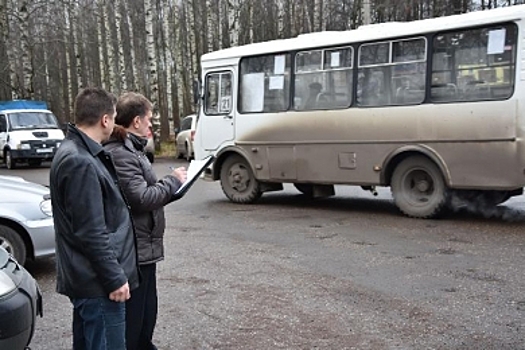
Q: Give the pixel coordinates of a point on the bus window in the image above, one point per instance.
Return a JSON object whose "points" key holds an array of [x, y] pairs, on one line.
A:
{"points": [[264, 83], [323, 79], [218, 98], [392, 73], [475, 64]]}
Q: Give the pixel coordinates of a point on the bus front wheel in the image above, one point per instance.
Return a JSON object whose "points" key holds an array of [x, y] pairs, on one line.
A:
{"points": [[238, 182], [418, 188]]}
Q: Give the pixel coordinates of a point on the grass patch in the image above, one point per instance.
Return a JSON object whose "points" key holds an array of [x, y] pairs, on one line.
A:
{"points": [[167, 149]]}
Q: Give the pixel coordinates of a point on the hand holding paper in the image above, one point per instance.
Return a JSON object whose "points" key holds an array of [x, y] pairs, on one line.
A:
{"points": [[195, 168], [180, 173]]}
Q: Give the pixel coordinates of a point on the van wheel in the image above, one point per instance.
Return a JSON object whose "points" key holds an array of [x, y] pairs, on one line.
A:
{"points": [[10, 163], [11, 241], [418, 188], [238, 182]]}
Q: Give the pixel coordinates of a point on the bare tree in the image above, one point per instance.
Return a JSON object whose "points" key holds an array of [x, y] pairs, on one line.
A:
{"points": [[152, 63]]}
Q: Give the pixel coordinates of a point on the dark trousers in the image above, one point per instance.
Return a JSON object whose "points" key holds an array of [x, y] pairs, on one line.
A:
{"points": [[141, 311]]}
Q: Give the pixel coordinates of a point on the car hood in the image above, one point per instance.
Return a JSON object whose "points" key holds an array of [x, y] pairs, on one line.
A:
{"points": [[15, 189]]}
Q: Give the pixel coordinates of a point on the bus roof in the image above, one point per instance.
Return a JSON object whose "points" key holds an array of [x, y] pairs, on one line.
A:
{"points": [[368, 33]]}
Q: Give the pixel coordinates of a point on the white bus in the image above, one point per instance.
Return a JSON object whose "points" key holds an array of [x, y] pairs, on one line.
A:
{"points": [[435, 109]]}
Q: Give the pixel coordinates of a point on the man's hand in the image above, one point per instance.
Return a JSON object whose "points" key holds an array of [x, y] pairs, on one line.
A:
{"points": [[180, 173], [120, 295]]}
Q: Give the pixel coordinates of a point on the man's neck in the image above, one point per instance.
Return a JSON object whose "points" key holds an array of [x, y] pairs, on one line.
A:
{"points": [[92, 133]]}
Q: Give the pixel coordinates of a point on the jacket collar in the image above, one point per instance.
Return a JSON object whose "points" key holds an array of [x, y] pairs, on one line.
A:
{"points": [[74, 134], [138, 142]]}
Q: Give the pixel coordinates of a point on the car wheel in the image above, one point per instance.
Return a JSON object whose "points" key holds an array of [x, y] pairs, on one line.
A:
{"points": [[418, 188], [11, 241], [238, 182], [10, 163]]}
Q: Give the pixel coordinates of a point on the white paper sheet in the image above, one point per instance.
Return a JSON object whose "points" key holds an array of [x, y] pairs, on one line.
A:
{"points": [[195, 168]]}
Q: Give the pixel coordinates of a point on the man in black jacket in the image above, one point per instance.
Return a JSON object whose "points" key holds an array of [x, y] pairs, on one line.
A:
{"points": [[95, 246], [147, 197]]}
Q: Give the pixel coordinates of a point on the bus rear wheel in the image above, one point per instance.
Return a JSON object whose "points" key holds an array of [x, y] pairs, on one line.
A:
{"points": [[418, 188], [238, 182]]}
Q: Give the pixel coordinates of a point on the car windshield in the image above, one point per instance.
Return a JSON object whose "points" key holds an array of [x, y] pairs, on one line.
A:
{"points": [[32, 120]]}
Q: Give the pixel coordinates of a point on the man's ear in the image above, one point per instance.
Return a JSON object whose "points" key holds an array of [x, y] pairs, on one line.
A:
{"points": [[136, 122], [104, 121]]}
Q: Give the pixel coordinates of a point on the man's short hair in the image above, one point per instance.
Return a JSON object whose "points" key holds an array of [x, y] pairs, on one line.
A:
{"points": [[91, 104], [131, 105]]}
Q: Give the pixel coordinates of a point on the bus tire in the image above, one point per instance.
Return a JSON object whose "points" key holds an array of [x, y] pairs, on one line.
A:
{"points": [[418, 188], [238, 182]]}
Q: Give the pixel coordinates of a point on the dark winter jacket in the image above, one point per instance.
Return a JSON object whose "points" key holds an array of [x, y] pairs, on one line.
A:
{"points": [[146, 194], [95, 245]]}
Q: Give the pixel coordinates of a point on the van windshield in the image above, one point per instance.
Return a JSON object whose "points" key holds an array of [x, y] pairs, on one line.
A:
{"points": [[32, 120]]}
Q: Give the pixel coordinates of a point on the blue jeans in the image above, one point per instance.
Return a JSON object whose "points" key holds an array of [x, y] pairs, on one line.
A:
{"points": [[98, 324]]}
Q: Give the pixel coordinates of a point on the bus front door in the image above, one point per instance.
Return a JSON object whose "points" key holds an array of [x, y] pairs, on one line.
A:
{"points": [[218, 117]]}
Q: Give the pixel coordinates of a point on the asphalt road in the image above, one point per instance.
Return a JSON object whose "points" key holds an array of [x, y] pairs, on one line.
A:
{"points": [[348, 272]]}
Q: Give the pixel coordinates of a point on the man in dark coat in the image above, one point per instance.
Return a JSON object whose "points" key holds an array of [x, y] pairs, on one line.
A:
{"points": [[95, 246], [147, 197]]}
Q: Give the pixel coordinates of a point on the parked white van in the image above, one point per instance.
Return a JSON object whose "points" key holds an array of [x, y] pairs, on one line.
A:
{"points": [[29, 133]]}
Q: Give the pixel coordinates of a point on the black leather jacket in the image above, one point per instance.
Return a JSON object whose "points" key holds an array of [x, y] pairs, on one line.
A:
{"points": [[145, 193], [95, 244]]}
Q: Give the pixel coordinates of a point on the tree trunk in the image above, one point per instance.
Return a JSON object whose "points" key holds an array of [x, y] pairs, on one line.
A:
{"points": [[152, 64]]}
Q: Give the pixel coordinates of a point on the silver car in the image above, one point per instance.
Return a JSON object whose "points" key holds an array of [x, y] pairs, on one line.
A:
{"points": [[185, 136], [26, 219], [20, 303]]}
